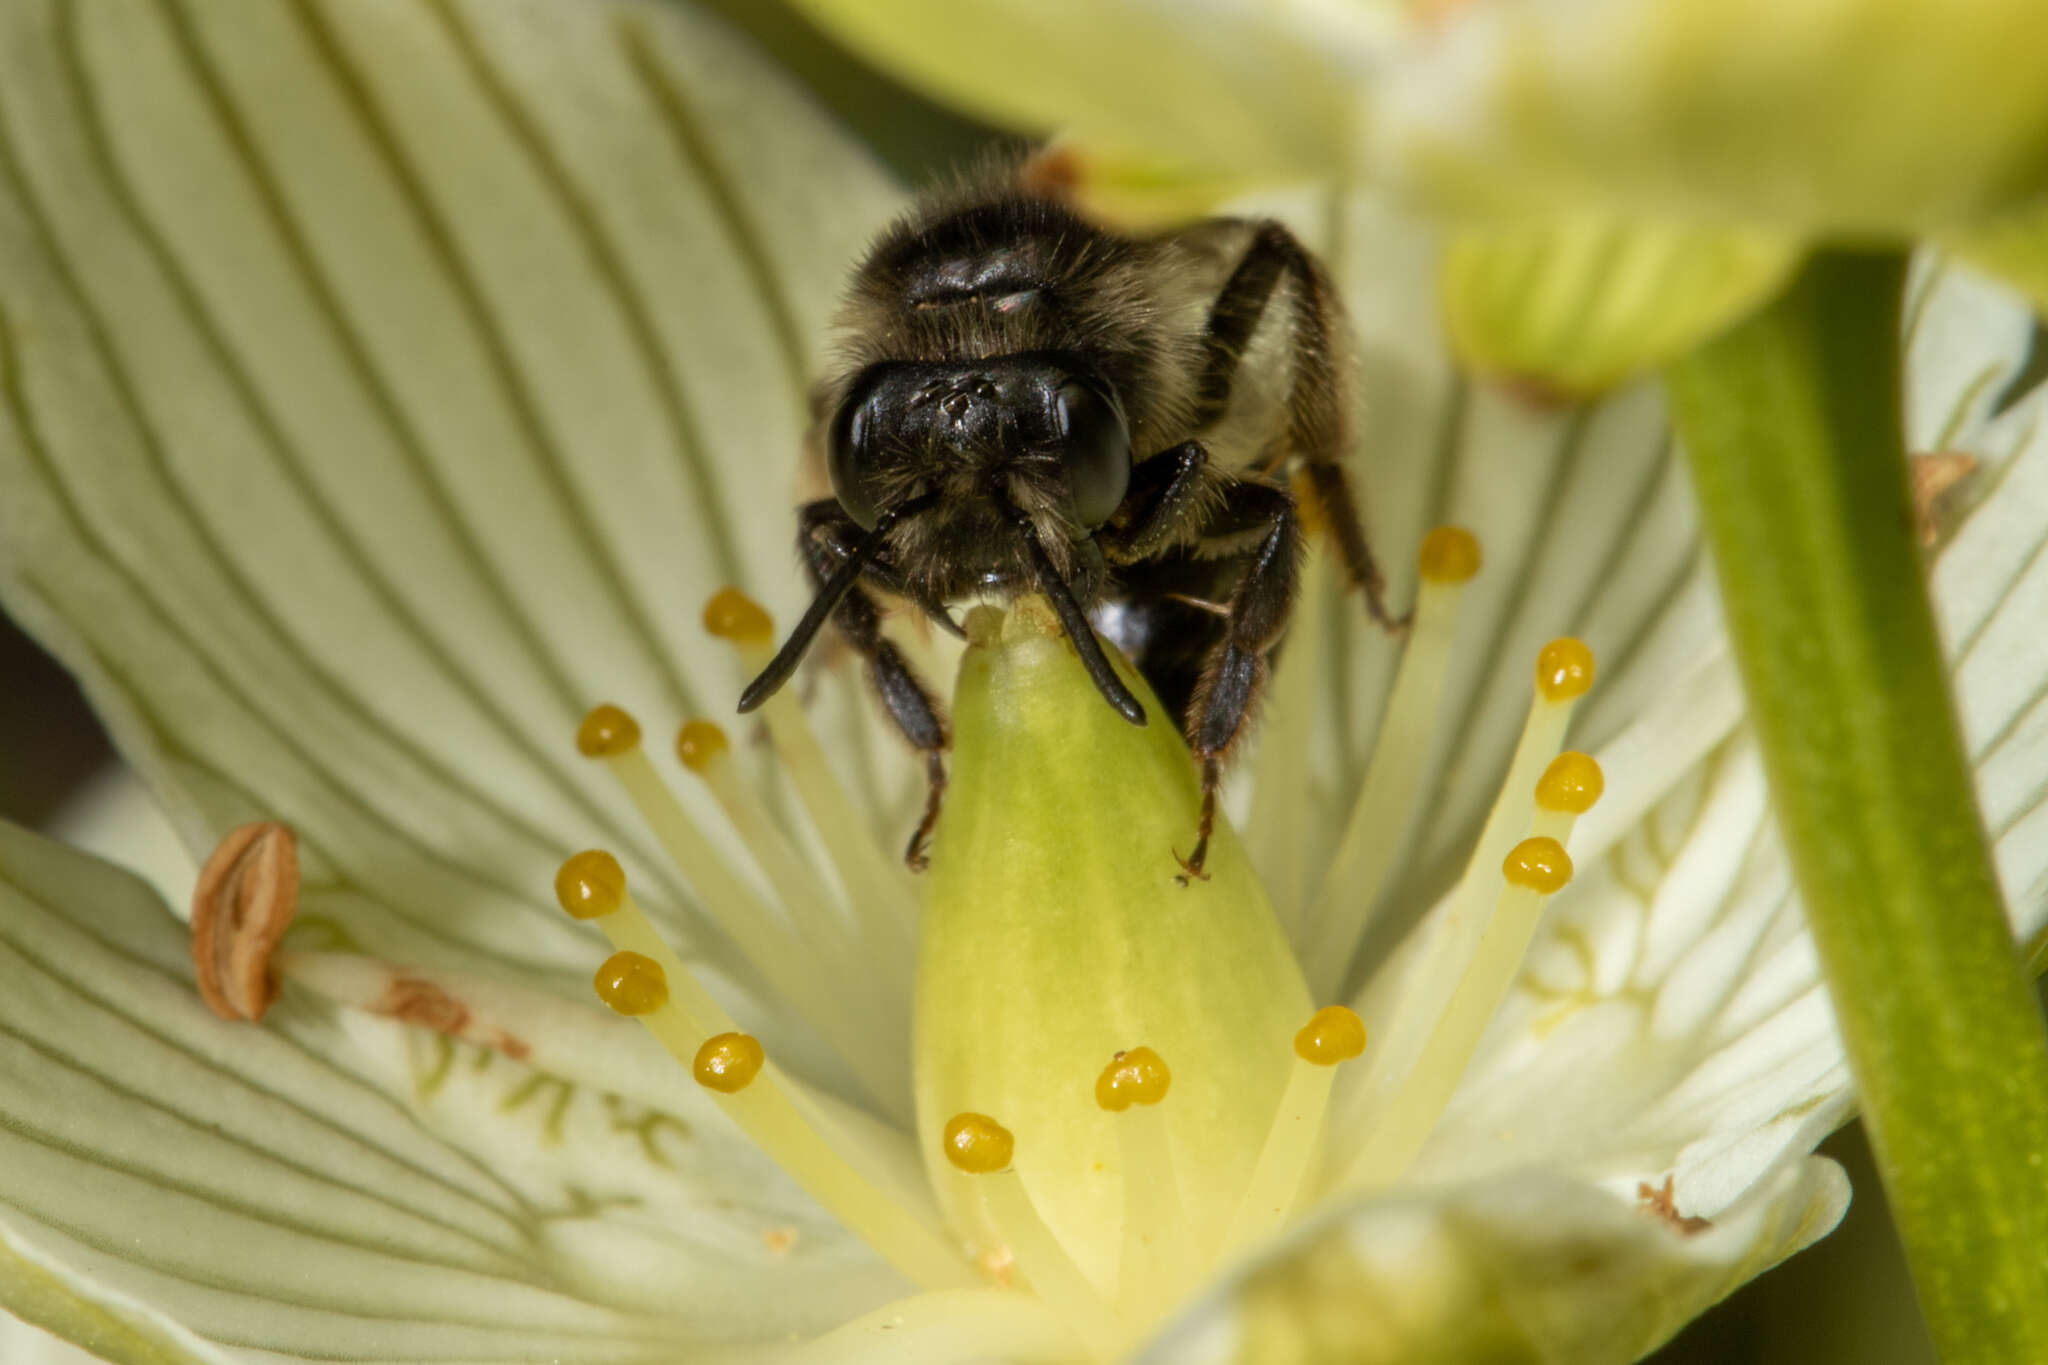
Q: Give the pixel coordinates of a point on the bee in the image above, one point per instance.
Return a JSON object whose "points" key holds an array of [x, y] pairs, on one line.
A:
{"points": [[1028, 402]]}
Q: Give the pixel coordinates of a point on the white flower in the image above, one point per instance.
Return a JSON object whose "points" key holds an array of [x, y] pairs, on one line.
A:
{"points": [[1627, 177], [385, 383]]}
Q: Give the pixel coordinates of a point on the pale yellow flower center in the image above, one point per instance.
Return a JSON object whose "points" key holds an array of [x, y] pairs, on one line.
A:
{"points": [[1180, 1201]]}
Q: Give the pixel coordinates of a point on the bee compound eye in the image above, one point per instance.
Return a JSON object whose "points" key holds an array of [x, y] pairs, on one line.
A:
{"points": [[1095, 447], [850, 462]]}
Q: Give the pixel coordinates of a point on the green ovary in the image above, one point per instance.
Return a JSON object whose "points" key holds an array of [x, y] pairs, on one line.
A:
{"points": [[1056, 934]]}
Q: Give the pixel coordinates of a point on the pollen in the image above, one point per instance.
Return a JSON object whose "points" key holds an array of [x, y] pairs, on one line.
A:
{"points": [[1540, 865], [1450, 554], [728, 1062], [977, 1144], [632, 983], [699, 743], [1333, 1034], [1139, 1076], [591, 884], [1564, 670], [606, 731], [732, 615], [1572, 783]]}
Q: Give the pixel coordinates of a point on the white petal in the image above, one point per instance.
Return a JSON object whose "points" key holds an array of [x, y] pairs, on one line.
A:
{"points": [[1859, 120], [1990, 592], [1171, 80], [58, 1308], [1523, 1267], [324, 1185], [386, 383], [1966, 339], [1670, 1015], [1585, 521], [953, 1327]]}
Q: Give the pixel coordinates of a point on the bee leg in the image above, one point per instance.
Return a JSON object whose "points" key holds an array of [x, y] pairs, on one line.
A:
{"points": [[825, 531], [1332, 489], [1235, 673], [1168, 492], [1317, 422]]}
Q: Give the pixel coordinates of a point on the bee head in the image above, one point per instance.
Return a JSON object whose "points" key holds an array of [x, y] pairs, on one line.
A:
{"points": [[1037, 433], [985, 474]]}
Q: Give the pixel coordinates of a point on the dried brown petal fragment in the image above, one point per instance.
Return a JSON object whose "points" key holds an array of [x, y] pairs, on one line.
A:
{"points": [[428, 1004], [1664, 1203], [1932, 477], [423, 1003], [246, 897]]}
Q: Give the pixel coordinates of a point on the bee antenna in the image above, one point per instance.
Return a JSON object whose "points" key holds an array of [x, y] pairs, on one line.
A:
{"points": [[783, 665], [1075, 622]]}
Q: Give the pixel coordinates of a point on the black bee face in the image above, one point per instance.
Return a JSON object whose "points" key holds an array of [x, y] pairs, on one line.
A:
{"points": [[997, 444]]}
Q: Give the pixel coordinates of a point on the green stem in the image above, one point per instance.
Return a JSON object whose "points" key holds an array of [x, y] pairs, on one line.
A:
{"points": [[1792, 421]]}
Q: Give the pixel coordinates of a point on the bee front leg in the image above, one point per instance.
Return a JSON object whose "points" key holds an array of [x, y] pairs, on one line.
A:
{"points": [[824, 535], [1168, 492], [1227, 696]]}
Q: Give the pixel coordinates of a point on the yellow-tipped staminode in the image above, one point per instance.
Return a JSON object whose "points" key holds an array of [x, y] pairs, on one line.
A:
{"points": [[1573, 782], [632, 983], [732, 615], [1139, 1076], [1332, 1036], [728, 1062], [1449, 554], [1475, 955], [879, 889], [1157, 1264], [646, 979], [1378, 829], [607, 730], [1564, 670], [590, 884], [791, 962], [1539, 864], [699, 744], [977, 1144]]}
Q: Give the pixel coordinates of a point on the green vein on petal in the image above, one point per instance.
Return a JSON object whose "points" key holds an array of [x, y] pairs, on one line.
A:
{"points": [[77, 1312], [1585, 521], [341, 1182], [1678, 959], [370, 419]]}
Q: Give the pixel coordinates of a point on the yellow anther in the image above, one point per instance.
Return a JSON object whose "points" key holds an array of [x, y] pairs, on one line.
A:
{"points": [[591, 884], [1450, 554], [977, 1144], [1572, 782], [1333, 1034], [732, 615], [1135, 1077], [728, 1062], [632, 984], [1564, 669], [607, 731], [698, 743], [1540, 864]]}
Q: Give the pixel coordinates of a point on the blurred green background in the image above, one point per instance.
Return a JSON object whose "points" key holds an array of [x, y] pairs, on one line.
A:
{"points": [[1847, 1300]]}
